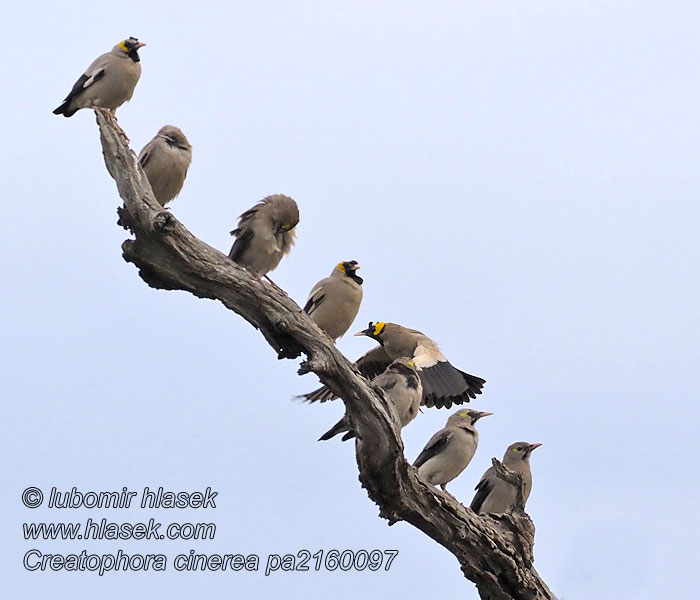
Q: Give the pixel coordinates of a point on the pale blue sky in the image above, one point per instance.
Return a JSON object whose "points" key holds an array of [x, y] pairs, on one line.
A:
{"points": [[517, 179]]}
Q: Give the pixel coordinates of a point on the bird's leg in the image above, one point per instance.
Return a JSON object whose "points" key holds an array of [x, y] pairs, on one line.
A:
{"points": [[112, 118], [444, 489], [108, 114], [121, 131], [275, 285]]}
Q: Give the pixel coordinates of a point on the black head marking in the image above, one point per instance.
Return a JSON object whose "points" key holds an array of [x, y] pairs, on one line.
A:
{"points": [[132, 46]]}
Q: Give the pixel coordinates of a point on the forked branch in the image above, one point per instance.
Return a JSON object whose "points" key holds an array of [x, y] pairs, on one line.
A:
{"points": [[494, 553]]}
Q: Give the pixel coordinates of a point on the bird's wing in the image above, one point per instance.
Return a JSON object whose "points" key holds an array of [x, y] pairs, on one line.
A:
{"points": [[316, 296], [244, 237], [322, 394], [386, 380], [349, 435], [444, 384], [339, 427], [89, 79], [143, 158], [370, 364], [373, 362], [427, 353], [93, 73], [84, 81], [483, 489], [146, 153], [435, 445], [388, 384]]}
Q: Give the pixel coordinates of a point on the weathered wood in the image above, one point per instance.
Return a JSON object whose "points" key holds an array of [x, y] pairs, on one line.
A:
{"points": [[493, 552], [515, 479]]}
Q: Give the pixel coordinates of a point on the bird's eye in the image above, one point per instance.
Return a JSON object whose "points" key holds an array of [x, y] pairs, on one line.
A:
{"points": [[520, 448]]}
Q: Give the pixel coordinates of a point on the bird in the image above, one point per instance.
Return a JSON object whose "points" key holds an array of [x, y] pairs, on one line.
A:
{"points": [[165, 160], [107, 83], [493, 494], [443, 384], [451, 449], [401, 383], [334, 301], [265, 233]]}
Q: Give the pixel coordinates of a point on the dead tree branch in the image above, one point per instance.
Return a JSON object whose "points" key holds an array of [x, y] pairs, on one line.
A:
{"points": [[494, 553]]}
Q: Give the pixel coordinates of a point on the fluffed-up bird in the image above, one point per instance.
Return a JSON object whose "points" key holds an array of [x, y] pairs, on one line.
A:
{"points": [[265, 233], [443, 384], [451, 449], [165, 160], [401, 383], [108, 82], [493, 494], [334, 301]]}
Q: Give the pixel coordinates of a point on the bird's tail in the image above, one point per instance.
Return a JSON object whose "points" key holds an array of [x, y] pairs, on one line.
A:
{"points": [[339, 427], [63, 110], [322, 394], [475, 383]]}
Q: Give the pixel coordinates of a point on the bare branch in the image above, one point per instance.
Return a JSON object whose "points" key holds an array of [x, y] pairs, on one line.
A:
{"points": [[515, 479], [496, 554]]}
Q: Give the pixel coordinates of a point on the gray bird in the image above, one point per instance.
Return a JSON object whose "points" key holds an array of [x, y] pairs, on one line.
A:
{"points": [[265, 233], [451, 449], [443, 384], [493, 494], [334, 301], [108, 82], [165, 160], [401, 383]]}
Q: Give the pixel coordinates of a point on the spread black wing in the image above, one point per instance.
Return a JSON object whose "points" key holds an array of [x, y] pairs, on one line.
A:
{"points": [[370, 364], [445, 385]]}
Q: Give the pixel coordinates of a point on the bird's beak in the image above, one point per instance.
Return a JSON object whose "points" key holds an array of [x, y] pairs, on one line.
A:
{"points": [[533, 446], [484, 414], [359, 333], [140, 45]]}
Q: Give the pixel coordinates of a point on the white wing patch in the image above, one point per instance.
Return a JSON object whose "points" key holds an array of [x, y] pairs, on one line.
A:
{"points": [[427, 355], [315, 297], [90, 80]]}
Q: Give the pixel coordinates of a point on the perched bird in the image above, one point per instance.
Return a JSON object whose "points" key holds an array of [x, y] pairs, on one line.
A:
{"points": [[443, 384], [165, 160], [451, 449], [493, 494], [265, 233], [108, 82], [334, 301], [401, 383]]}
